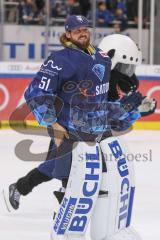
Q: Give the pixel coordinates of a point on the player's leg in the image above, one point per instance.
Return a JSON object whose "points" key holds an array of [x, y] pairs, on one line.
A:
{"points": [[25, 185], [46, 171]]}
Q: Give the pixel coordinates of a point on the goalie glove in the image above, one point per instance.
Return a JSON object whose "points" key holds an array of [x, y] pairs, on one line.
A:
{"points": [[147, 106]]}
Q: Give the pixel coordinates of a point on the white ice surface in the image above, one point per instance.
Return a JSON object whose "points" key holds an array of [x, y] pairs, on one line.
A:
{"points": [[33, 220]]}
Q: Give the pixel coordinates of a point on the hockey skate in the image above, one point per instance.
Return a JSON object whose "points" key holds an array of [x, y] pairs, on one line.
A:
{"points": [[11, 197]]}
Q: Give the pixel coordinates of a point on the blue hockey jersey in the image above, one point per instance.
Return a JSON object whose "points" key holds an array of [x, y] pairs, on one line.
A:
{"points": [[80, 82], [71, 88]]}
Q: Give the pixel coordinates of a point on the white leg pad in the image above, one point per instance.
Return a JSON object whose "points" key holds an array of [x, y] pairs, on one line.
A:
{"points": [[82, 191], [112, 213]]}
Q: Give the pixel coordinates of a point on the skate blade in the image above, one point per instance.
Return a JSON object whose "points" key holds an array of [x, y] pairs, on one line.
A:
{"points": [[6, 206]]}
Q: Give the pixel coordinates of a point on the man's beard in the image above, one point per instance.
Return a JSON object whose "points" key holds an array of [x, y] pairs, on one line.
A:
{"points": [[80, 45]]}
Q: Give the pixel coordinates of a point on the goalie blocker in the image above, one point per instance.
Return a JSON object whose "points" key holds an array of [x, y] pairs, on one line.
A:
{"points": [[103, 199]]}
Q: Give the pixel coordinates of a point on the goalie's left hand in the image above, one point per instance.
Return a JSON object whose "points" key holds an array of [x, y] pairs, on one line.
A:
{"points": [[147, 106]]}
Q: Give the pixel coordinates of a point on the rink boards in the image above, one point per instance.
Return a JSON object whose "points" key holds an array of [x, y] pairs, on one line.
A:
{"points": [[15, 77]]}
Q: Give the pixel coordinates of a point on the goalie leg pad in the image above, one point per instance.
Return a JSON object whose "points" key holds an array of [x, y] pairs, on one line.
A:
{"points": [[113, 212], [82, 190]]}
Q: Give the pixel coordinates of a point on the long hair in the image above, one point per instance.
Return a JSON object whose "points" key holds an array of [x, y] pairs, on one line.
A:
{"points": [[63, 39]]}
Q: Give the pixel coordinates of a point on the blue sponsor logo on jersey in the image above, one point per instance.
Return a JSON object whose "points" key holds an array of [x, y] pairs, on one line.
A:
{"points": [[99, 70], [102, 89]]}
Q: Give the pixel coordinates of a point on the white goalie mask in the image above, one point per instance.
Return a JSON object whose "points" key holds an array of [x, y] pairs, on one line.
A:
{"points": [[126, 55]]}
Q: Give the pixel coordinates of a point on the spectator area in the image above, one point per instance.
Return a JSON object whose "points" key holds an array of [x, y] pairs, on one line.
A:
{"points": [[119, 14]]}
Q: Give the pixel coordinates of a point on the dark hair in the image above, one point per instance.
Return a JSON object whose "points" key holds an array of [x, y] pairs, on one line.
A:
{"points": [[40, 4], [101, 3]]}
